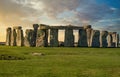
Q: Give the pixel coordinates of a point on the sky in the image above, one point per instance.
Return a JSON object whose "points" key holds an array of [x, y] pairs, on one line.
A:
{"points": [[101, 14]]}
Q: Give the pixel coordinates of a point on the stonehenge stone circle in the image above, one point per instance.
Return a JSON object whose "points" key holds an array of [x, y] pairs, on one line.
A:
{"points": [[38, 36]]}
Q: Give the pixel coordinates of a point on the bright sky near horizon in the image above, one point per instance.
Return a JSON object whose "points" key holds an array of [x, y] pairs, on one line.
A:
{"points": [[101, 14]]}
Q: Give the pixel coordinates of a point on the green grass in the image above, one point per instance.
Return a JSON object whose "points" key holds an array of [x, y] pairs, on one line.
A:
{"points": [[61, 62]]}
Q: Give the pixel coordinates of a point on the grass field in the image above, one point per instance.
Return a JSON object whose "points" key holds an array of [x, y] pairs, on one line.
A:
{"points": [[61, 62]]}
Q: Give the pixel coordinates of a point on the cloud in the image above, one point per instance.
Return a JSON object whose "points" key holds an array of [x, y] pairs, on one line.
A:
{"points": [[66, 11]]}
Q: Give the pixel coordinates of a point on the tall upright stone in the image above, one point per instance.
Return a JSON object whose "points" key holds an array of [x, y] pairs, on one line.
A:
{"points": [[89, 32], [117, 45], [54, 38], [13, 37], [69, 38], [28, 38], [82, 38], [114, 37], [8, 36], [42, 36], [109, 40], [35, 26], [95, 38], [103, 39], [19, 38]]}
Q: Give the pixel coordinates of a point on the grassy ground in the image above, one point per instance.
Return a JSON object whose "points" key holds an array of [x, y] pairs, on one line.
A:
{"points": [[61, 62]]}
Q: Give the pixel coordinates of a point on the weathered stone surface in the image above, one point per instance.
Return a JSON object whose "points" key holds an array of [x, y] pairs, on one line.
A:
{"points": [[54, 38], [13, 37], [19, 38], [117, 45], [103, 39], [87, 26], [28, 38], [8, 36], [17, 27], [82, 38], [89, 31], [69, 38], [95, 38], [109, 40], [35, 26], [42, 38], [114, 39]]}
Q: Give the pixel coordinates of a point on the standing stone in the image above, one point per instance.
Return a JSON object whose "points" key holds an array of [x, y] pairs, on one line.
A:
{"points": [[89, 31], [82, 38], [28, 38], [103, 39], [8, 36], [117, 40], [19, 38], [109, 40], [13, 37], [54, 38], [69, 38], [95, 38], [114, 37], [35, 26], [42, 38]]}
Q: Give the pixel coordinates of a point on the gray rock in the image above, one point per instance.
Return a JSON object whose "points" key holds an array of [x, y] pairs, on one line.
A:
{"points": [[109, 40], [103, 39], [95, 38], [117, 40], [35, 26], [114, 39], [89, 31], [87, 26], [28, 40], [13, 37], [19, 38], [8, 36], [82, 38], [69, 38], [42, 38], [54, 38]]}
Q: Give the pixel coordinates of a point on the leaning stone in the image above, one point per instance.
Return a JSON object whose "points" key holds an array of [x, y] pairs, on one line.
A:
{"points": [[8, 36], [95, 38]]}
